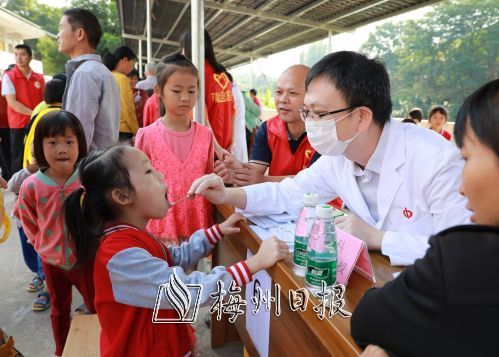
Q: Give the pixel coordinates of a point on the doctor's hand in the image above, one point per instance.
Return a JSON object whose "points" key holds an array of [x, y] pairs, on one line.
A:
{"points": [[360, 229], [210, 187]]}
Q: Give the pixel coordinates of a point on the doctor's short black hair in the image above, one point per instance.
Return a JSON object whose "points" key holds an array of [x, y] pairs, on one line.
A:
{"points": [[362, 81], [480, 112]]}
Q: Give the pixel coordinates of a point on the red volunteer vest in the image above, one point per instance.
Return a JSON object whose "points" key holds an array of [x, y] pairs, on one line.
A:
{"points": [[29, 92], [4, 123], [284, 162], [129, 330], [219, 104]]}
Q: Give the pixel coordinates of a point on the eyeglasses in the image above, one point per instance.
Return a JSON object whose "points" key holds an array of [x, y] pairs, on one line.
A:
{"points": [[306, 114]]}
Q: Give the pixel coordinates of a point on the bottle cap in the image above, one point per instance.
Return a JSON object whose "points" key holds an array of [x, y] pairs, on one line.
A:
{"points": [[310, 199], [324, 211]]}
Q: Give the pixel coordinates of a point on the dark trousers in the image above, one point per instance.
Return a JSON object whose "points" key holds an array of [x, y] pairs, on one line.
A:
{"points": [[60, 283], [5, 153], [16, 149]]}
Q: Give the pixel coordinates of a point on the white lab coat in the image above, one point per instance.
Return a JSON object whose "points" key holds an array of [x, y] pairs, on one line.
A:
{"points": [[421, 173], [240, 147]]}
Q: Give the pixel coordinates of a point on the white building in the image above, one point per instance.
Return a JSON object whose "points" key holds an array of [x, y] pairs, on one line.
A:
{"points": [[14, 30]]}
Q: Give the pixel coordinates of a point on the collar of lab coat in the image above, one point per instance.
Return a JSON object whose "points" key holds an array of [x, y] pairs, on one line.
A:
{"points": [[389, 181]]}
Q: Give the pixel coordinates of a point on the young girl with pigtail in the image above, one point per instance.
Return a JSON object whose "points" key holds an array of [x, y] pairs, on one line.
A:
{"points": [[107, 219]]}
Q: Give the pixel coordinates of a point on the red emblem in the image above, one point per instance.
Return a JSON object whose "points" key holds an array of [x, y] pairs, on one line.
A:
{"points": [[407, 213]]}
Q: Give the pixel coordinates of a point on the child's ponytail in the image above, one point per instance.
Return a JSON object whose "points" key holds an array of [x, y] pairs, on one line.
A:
{"points": [[84, 242]]}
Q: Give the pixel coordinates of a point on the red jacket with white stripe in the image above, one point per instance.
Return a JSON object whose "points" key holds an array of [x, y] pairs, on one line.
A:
{"points": [[130, 266]]}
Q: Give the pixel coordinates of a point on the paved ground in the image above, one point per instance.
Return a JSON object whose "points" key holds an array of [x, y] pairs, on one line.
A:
{"points": [[31, 330]]}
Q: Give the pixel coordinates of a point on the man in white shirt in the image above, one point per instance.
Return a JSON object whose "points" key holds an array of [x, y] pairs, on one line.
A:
{"points": [[150, 81], [23, 89], [401, 183], [92, 93]]}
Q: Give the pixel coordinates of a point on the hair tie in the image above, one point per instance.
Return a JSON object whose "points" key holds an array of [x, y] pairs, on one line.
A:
{"points": [[83, 194]]}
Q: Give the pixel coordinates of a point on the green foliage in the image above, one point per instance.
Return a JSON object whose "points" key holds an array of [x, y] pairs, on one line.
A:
{"points": [[268, 99], [48, 18], [48, 49], [441, 58]]}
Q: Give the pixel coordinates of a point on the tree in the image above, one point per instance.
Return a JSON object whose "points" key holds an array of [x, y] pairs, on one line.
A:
{"points": [[48, 17], [53, 60], [441, 58]]}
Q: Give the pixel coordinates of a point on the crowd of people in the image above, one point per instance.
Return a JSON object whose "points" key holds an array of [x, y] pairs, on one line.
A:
{"points": [[102, 163]]}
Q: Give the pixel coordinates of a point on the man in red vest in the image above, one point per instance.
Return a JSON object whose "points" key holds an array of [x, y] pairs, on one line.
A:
{"points": [[281, 143], [23, 89]]}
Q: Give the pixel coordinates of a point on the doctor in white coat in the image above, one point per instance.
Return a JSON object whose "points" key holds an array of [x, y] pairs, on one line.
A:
{"points": [[401, 182]]}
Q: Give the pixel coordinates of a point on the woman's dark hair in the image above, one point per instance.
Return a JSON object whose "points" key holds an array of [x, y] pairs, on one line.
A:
{"points": [[56, 123], [480, 112], [209, 52], [53, 91], [111, 60], [169, 65], [438, 109], [409, 120], [88, 209], [416, 113], [81, 18], [361, 81], [133, 73], [253, 91]]}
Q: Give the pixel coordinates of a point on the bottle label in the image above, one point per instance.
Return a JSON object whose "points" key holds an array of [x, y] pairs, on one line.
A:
{"points": [[321, 271], [300, 253]]}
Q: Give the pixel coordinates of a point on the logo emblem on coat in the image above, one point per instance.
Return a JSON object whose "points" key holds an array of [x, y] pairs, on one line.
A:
{"points": [[37, 85], [222, 80], [407, 213]]}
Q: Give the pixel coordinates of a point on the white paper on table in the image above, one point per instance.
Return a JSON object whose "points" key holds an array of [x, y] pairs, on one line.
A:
{"points": [[284, 231], [262, 221], [271, 220], [258, 325], [283, 217]]}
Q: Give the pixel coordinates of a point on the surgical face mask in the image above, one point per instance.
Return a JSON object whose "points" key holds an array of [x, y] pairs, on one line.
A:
{"points": [[323, 136]]}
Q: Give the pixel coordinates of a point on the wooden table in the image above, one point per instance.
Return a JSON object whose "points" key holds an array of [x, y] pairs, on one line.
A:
{"points": [[292, 333], [83, 338]]}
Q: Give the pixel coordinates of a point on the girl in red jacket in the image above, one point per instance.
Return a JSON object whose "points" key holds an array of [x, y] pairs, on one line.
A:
{"points": [[106, 219]]}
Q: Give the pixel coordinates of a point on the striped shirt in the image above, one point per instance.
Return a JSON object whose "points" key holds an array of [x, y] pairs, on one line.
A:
{"points": [[368, 179]]}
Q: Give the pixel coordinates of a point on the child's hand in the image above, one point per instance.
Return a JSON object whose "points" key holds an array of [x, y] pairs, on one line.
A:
{"points": [[32, 166], [3, 183], [228, 227], [271, 251]]}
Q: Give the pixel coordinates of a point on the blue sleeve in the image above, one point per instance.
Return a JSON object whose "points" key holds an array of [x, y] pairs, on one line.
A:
{"points": [[260, 152]]}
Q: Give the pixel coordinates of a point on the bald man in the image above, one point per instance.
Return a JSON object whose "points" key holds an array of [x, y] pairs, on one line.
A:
{"points": [[281, 143]]}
